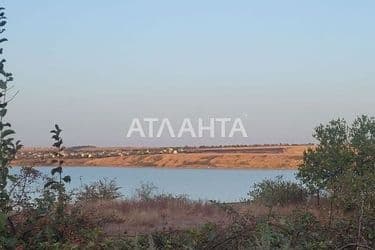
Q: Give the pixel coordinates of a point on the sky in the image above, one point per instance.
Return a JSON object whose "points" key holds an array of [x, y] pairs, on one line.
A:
{"points": [[92, 66]]}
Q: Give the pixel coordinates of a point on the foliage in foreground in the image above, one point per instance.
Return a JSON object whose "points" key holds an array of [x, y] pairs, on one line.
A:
{"points": [[278, 192], [342, 166]]}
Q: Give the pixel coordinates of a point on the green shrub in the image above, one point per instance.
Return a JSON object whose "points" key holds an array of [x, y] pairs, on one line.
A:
{"points": [[103, 189], [278, 192]]}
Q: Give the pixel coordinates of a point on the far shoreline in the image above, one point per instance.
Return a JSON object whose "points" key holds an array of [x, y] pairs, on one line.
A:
{"points": [[161, 168], [242, 158]]}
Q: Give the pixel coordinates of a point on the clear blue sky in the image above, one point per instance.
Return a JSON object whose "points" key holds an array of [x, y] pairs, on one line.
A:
{"points": [[283, 66]]}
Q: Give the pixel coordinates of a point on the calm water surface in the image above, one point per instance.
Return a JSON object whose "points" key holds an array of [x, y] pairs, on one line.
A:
{"points": [[226, 185]]}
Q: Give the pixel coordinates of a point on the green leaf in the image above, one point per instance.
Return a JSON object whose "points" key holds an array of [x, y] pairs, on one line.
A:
{"points": [[58, 144], [3, 84], [49, 184], [12, 178], [3, 125], [18, 146], [57, 128], [56, 170], [67, 179], [55, 137], [7, 132], [3, 112]]}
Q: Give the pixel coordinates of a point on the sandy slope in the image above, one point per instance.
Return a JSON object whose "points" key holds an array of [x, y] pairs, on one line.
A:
{"points": [[266, 157], [288, 159]]}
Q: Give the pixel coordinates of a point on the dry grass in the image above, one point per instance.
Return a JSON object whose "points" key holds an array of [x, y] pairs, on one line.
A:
{"points": [[166, 213], [321, 212], [160, 213]]}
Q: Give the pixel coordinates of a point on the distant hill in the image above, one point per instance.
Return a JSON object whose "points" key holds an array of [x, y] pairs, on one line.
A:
{"points": [[79, 148]]}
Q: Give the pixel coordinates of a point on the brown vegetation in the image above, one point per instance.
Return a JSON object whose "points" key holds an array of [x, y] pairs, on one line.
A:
{"points": [[169, 214], [117, 217]]}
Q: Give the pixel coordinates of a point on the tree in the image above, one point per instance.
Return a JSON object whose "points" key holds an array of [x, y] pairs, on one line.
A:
{"points": [[323, 165], [358, 184], [343, 165], [344, 159]]}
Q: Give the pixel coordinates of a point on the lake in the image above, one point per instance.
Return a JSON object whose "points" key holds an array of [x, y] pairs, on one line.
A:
{"points": [[225, 185]]}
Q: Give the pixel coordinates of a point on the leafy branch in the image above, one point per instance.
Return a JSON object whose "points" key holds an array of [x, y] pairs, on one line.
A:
{"points": [[8, 147], [58, 155]]}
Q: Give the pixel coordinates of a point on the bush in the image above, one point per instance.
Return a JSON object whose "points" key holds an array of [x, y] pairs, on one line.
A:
{"points": [[278, 192], [103, 189], [145, 192]]}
